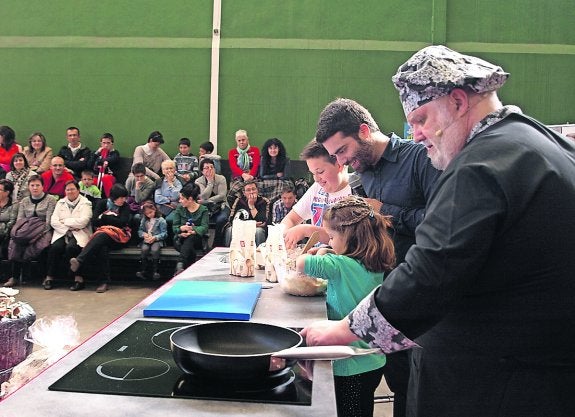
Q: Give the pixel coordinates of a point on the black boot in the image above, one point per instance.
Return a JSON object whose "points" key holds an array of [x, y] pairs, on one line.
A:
{"points": [[143, 265], [156, 266]]}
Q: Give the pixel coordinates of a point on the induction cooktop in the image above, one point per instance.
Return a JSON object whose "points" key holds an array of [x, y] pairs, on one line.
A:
{"points": [[138, 362]]}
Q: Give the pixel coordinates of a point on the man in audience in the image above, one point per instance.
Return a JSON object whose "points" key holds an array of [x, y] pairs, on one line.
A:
{"points": [[283, 205], [151, 155], [56, 178], [75, 154]]}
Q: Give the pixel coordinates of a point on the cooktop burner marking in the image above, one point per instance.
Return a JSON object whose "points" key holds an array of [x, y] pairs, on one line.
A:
{"points": [[133, 369], [162, 339]]}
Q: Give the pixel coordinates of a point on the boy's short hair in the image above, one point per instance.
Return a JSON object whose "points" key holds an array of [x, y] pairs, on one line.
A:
{"points": [[207, 146], [139, 168], [185, 141], [314, 149], [87, 172]]}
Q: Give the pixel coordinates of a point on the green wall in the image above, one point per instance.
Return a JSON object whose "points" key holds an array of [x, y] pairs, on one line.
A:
{"points": [[130, 67]]}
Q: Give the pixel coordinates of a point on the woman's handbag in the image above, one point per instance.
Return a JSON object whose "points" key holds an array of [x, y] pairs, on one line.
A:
{"points": [[117, 234], [28, 238]]}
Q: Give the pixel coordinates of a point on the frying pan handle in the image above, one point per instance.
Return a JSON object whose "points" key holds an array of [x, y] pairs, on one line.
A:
{"points": [[323, 352]]}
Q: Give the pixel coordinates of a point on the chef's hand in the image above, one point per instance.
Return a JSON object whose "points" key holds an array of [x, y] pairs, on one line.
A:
{"points": [[329, 332], [375, 204]]}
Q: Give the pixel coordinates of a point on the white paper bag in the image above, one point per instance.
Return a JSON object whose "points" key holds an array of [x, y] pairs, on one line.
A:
{"points": [[274, 251], [243, 248]]}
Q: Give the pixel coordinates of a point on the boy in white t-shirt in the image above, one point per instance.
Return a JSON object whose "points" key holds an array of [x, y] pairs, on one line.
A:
{"points": [[331, 185]]}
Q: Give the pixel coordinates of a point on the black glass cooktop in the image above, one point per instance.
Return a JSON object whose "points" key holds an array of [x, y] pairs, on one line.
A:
{"points": [[139, 362]]}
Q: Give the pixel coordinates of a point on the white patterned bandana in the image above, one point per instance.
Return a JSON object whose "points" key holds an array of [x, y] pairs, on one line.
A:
{"points": [[435, 71]]}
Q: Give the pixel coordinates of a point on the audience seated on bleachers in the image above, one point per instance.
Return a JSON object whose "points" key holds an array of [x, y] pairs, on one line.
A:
{"points": [[213, 191], [257, 207], [72, 226], [151, 155], [190, 226], [8, 147], [152, 232], [37, 153], [87, 187], [187, 164], [103, 162], [75, 155], [282, 206], [19, 174], [207, 151], [56, 178], [38, 205]]}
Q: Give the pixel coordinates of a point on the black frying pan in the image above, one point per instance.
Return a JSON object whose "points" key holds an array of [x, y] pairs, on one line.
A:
{"points": [[232, 349]]}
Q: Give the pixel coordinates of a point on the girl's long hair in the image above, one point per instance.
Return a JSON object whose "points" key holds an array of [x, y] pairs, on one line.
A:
{"points": [[364, 231]]}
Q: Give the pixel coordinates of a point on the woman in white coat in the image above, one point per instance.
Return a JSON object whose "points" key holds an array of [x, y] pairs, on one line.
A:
{"points": [[71, 221]]}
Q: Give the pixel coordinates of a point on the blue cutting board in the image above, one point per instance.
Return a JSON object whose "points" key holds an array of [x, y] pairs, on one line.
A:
{"points": [[207, 300]]}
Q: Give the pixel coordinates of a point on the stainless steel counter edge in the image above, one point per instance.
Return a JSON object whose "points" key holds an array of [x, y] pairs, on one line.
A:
{"points": [[274, 307]]}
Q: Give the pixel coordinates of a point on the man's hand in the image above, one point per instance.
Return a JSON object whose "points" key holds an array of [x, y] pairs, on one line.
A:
{"points": [[375, 204]]}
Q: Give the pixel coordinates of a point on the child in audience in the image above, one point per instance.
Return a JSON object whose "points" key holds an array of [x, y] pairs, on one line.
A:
{"points": [[284, 204], [187, 164], [206, 151], [362, 251], [87, 187], [153, 231]]}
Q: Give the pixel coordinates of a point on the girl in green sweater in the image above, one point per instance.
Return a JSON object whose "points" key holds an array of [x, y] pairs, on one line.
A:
{"points": [[361, 251]]}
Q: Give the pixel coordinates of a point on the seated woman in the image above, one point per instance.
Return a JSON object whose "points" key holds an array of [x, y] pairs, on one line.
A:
{"points": [[274, 169], [72, 230], [213, 190], [37, 204], [256, 206], [167, 193], [8, 214], [8, 147], [110, 220], [20, 173], [38, 155], [274, 162], [190, 225]]}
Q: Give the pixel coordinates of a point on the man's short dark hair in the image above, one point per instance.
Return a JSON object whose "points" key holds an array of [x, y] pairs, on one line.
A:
{"points": [[185, 141], [345, 116]]}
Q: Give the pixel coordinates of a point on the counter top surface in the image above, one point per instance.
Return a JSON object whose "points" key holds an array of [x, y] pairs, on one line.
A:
{"points": [[274, 307]]}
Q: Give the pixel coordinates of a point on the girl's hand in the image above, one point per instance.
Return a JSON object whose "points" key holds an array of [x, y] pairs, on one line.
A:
{"points": [[328, 332]]}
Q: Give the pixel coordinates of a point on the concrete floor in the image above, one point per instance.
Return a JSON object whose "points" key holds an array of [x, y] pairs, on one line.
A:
{"points": [[93, 311]]}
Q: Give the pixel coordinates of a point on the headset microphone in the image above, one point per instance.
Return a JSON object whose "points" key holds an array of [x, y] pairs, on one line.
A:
{"points": [[439, 133]]}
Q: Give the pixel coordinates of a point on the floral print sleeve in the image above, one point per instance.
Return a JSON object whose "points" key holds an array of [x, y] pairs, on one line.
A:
{"points": [[367, 323]]}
